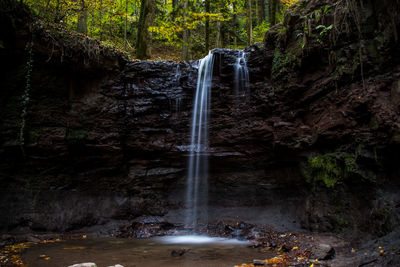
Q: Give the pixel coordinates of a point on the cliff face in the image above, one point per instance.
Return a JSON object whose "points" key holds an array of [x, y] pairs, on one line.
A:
{"points": [[314, 142]]}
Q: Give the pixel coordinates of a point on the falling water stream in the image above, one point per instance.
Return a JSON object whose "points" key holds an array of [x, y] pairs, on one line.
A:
{"points": [[241, 74], [197, 179]]}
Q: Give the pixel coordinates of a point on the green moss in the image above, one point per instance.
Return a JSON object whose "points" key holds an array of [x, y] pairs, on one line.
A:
{"points": [[341, 223], [396, 136], [76, 136], [330, 168], [342, 68], [326, 169], [383, 220], [280, 61], [33, 136], [277, 61], [373, 124], [283, 30], [338, 209]]}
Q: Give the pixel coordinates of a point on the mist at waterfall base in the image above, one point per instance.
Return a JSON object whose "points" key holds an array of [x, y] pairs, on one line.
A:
{"points": [[196, 199]]}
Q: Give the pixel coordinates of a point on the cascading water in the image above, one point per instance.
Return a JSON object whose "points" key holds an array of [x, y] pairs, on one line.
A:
{"points": [[241, 74], [177, 73], [197, 179]]}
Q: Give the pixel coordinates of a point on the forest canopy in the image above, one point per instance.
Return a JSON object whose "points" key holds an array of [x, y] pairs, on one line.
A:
{"points": [[165, 29]]}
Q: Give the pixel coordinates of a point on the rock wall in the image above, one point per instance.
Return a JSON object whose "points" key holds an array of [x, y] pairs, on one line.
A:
{"points": [[314, 142]]}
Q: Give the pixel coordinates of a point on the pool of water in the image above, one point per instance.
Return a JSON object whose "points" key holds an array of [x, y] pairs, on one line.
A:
{"points": [[162, 251], [200, 239]]}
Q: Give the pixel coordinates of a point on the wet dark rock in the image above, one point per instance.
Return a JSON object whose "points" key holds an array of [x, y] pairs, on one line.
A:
{"points": [[259, 263], [145, 229], [178, 252], [323, 252], [286, 248]]}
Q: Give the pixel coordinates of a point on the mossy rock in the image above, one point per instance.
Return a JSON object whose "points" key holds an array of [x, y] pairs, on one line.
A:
{"points": [[76, 136], [330, 168], [33, 136], [396, 137], [384, 221], [281, 62]]}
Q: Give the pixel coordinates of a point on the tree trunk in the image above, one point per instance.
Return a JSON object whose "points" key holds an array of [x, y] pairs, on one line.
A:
{"points": [[218, 36], [272, 12], [92, 20], [235, 26], [143, 42], [82, 19], [174, 4], [257, 20], [185, 44], [82, 22], [57, 11], [101, 20], [261, 11], [207, 26], [174, 8], [249, 23], [126, 22]]}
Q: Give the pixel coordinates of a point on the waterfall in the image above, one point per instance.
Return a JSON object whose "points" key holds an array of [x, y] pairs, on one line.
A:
{"points": [[241, 75], [177, 74], [197, 179]]}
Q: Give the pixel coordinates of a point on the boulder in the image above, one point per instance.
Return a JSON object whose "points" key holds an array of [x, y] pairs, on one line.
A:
{"points": [[323, 252]]}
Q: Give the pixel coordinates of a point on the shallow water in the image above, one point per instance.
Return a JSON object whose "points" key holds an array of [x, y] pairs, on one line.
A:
{"points": [[140, 252], [199, 239]]}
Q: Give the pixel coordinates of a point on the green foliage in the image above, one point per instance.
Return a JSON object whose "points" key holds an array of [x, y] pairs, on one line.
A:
{"points": [[259, 31], [105, 18], [277, 61], [280, 61], [330, 168], [323, 29], [288, 3], [115, 22]]}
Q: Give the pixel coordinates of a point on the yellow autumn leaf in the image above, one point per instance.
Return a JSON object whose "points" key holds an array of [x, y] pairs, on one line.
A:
{"points": [[74, 248]]}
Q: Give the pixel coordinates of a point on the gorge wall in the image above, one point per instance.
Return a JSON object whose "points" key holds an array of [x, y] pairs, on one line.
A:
{"points": [[313, 143]]}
